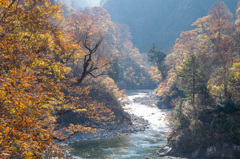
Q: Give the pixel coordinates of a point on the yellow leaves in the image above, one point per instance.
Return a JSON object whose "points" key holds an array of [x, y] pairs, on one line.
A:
{"points": [[237, 22], [39, 9], [215, 89], [81, 110], [58, 70], [202, 24], [236, 71], [155, 74], [238, 10], [234, 81], [23, 116], [67, 70], [30, 90], [12, 111], [228, 79]]}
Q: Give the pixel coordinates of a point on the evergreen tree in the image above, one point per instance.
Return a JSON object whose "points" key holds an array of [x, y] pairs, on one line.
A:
{"points": [[191, 80], [156, 57], [114, 74]]}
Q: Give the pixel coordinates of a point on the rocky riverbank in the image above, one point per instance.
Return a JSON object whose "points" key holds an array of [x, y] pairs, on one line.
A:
{"points": [[138, 104], [218, 151], [138, 124], [141, 138]]}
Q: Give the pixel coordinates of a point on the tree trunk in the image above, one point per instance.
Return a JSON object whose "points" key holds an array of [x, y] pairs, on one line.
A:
{"points": [[225, 82], [193, 90]]}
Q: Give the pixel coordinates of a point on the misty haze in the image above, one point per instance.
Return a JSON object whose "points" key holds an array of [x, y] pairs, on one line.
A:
{"points": [[120, 79]]}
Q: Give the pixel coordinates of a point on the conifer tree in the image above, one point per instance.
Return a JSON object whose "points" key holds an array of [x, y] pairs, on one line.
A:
{"points": [[191, 80], [156, 57]]}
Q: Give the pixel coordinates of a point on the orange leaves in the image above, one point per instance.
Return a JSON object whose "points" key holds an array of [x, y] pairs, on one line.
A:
{"points": [[38, 62], [87, 31], [21, 114], [99, 113], [237, 22], [29, 45], [2, 2], [217, 23]]}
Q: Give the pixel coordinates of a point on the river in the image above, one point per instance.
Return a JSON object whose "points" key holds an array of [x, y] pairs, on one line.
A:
{"points": [[138, 145]]}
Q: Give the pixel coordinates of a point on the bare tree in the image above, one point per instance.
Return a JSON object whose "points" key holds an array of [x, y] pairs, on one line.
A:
{"points": [[85, 31]]}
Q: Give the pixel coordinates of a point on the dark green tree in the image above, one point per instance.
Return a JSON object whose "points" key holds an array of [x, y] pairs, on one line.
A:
{"points": [[156, 57], [191, 80], [114, 74]]}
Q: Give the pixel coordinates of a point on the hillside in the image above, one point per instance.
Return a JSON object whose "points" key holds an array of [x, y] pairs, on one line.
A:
{"points": [[159, 21]]}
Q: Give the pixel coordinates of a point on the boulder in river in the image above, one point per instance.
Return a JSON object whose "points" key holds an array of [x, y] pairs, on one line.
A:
{"points": [[164, 150]]}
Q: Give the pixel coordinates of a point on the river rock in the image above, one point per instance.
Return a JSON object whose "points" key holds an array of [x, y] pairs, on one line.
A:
{"points": [[211, 150], [150, 101], [236, 147], [224, 150], [164, 150]]}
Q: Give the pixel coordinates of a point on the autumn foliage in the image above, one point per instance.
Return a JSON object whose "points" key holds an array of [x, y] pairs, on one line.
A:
{"points": [[202, 81], [213, 41], [44, 62], [51, 66], [28, 45]]}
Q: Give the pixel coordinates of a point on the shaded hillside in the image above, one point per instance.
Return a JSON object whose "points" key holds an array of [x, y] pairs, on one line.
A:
{"points": [[159, 21]]}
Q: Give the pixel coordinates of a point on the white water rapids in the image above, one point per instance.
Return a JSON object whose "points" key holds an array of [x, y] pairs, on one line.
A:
{"points": [[152, 114], [138, 145]]}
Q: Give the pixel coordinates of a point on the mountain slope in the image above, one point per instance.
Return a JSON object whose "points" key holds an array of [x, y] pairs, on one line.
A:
{"points": [[159, 21]]}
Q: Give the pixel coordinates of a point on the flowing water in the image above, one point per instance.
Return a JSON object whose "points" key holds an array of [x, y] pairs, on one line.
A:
{"points": [[138, 145]]}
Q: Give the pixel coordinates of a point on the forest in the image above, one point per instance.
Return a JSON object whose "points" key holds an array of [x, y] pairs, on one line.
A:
{"points": [[67, 71], [56, 61], [202, 81]]}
